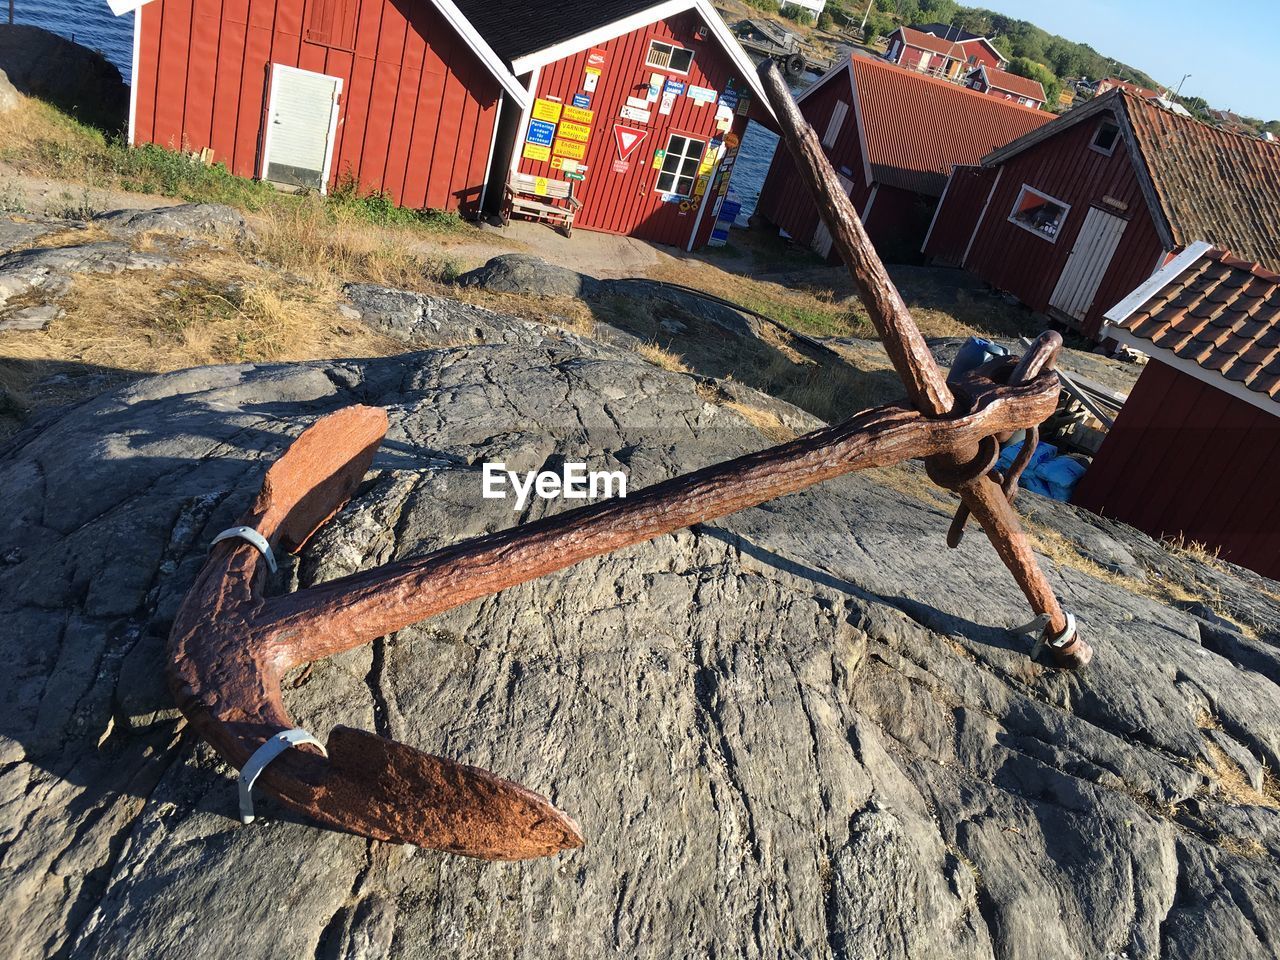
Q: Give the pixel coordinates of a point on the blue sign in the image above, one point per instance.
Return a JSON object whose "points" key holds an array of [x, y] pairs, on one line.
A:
{"points": [[581, 100], [541, 132], [673, 87], [729, 98]]}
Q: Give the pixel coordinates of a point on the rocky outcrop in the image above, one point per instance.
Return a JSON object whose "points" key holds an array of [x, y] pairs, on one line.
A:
{"points": [[533, 276], [75, 78], [187, 220], [802, 731], [8, 94], [48, 270]]}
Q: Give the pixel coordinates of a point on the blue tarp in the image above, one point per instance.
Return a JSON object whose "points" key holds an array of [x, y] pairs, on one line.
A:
{"points": [[1047, 474]]}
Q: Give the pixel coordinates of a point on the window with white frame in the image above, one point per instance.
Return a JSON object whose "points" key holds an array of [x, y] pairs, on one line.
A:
{"points": [[680, 165], [1105, 138], [1039, 213], [667, 56], [836, 122]]}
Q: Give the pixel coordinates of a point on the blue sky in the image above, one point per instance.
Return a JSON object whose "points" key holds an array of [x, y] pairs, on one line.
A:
{"points": [[1228, 47]]}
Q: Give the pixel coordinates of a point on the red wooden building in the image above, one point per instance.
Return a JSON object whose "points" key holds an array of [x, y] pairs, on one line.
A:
{"points": [[1073, 216], [1001, 83], [1195, 451], [643, 104], [944, 52], [401, 97], [433, 103], [893, 136]]}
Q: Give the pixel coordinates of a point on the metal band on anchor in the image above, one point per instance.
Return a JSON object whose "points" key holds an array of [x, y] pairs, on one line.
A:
{"points": [[277, 745], [252, 536]]}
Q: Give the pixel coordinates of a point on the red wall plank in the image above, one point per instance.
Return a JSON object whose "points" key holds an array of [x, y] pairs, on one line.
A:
{"points": [[627, 202], [203, 81], [1064, 167], [1186, 459]]}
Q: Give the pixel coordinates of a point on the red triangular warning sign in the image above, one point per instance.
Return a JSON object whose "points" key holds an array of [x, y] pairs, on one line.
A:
{"points": [[627, 139]]}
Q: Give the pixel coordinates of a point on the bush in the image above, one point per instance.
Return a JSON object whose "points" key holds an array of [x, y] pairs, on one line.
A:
{"points": [[826, 21], [800, 15]]}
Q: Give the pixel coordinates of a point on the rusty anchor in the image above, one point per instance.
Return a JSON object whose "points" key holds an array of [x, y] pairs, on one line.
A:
{"points": [[231, 644]]}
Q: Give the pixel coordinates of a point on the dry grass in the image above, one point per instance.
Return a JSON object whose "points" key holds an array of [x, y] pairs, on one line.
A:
{"points": [[662, 357], [1231, 784], [217, 307]]}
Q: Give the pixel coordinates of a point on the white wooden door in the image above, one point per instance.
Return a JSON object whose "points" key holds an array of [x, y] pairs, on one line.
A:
{"points": [[822, 236], [302, 115], [1082, 275]]}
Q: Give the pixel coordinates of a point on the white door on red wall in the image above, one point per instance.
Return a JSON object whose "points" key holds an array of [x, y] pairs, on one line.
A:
{"points": [[822, 236], [302, 117], [1083, 272]]}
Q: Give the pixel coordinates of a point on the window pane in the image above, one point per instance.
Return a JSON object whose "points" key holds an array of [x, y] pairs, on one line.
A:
{"points": [[685, 187], [665, 182], [675, 145], [672, 163], [690, 167], [695, 148], [681, 60], [1040, 214]]}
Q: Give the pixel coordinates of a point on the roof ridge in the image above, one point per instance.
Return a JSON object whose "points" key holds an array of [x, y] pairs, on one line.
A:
{"points": [[946, 84]]}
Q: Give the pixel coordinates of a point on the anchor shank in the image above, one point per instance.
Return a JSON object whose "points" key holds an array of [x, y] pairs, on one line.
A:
{"points": [[926, 385], [335, 616]]}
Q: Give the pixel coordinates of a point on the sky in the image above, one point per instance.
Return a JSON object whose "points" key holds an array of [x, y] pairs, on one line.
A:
{"points": [[1228, 46]]}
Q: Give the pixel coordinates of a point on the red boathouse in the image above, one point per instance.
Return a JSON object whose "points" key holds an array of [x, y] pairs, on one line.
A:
{"points": [[1073, 216], [1195, 451], [402, 97], [642, 104], [893, 136]]}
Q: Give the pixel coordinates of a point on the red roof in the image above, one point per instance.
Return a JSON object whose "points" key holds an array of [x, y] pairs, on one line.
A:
{"points": [[1012, 83], [916, 128], [1219, 313], [1110, 83], [927, 41]]}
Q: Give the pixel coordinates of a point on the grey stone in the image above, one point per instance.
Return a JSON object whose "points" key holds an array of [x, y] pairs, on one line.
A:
{"points": [[9, 97], [21, 230], [522, 273], [31, 318], [188, 220], [800, 731], [49, 269], [81, 81]]}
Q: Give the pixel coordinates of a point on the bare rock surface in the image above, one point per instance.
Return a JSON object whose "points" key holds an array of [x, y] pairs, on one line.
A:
{"points": [[187, 220], [48, 270], [801, 731], [9, 97]]}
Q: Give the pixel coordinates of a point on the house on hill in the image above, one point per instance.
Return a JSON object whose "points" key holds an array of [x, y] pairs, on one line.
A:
{"points": [[1010, 86], [1076, 214], [1195, 451], [945, 52], [638, 105], [893, 136], [1107, 84]]}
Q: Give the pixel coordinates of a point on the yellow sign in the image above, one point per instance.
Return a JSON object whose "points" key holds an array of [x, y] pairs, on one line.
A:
{"points": [[547, 110], [535, 151], [579, 115], [595, 70], [574, 131], [567, 148], [540, 186], [708, 163], [557, 163]]}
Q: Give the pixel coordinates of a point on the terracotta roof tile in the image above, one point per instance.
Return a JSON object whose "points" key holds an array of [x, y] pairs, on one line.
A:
{"points": [[1221, 313], [1212, 185]]}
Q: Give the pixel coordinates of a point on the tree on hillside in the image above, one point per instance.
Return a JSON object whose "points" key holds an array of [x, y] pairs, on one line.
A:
{"points": [[1024, 67]]}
